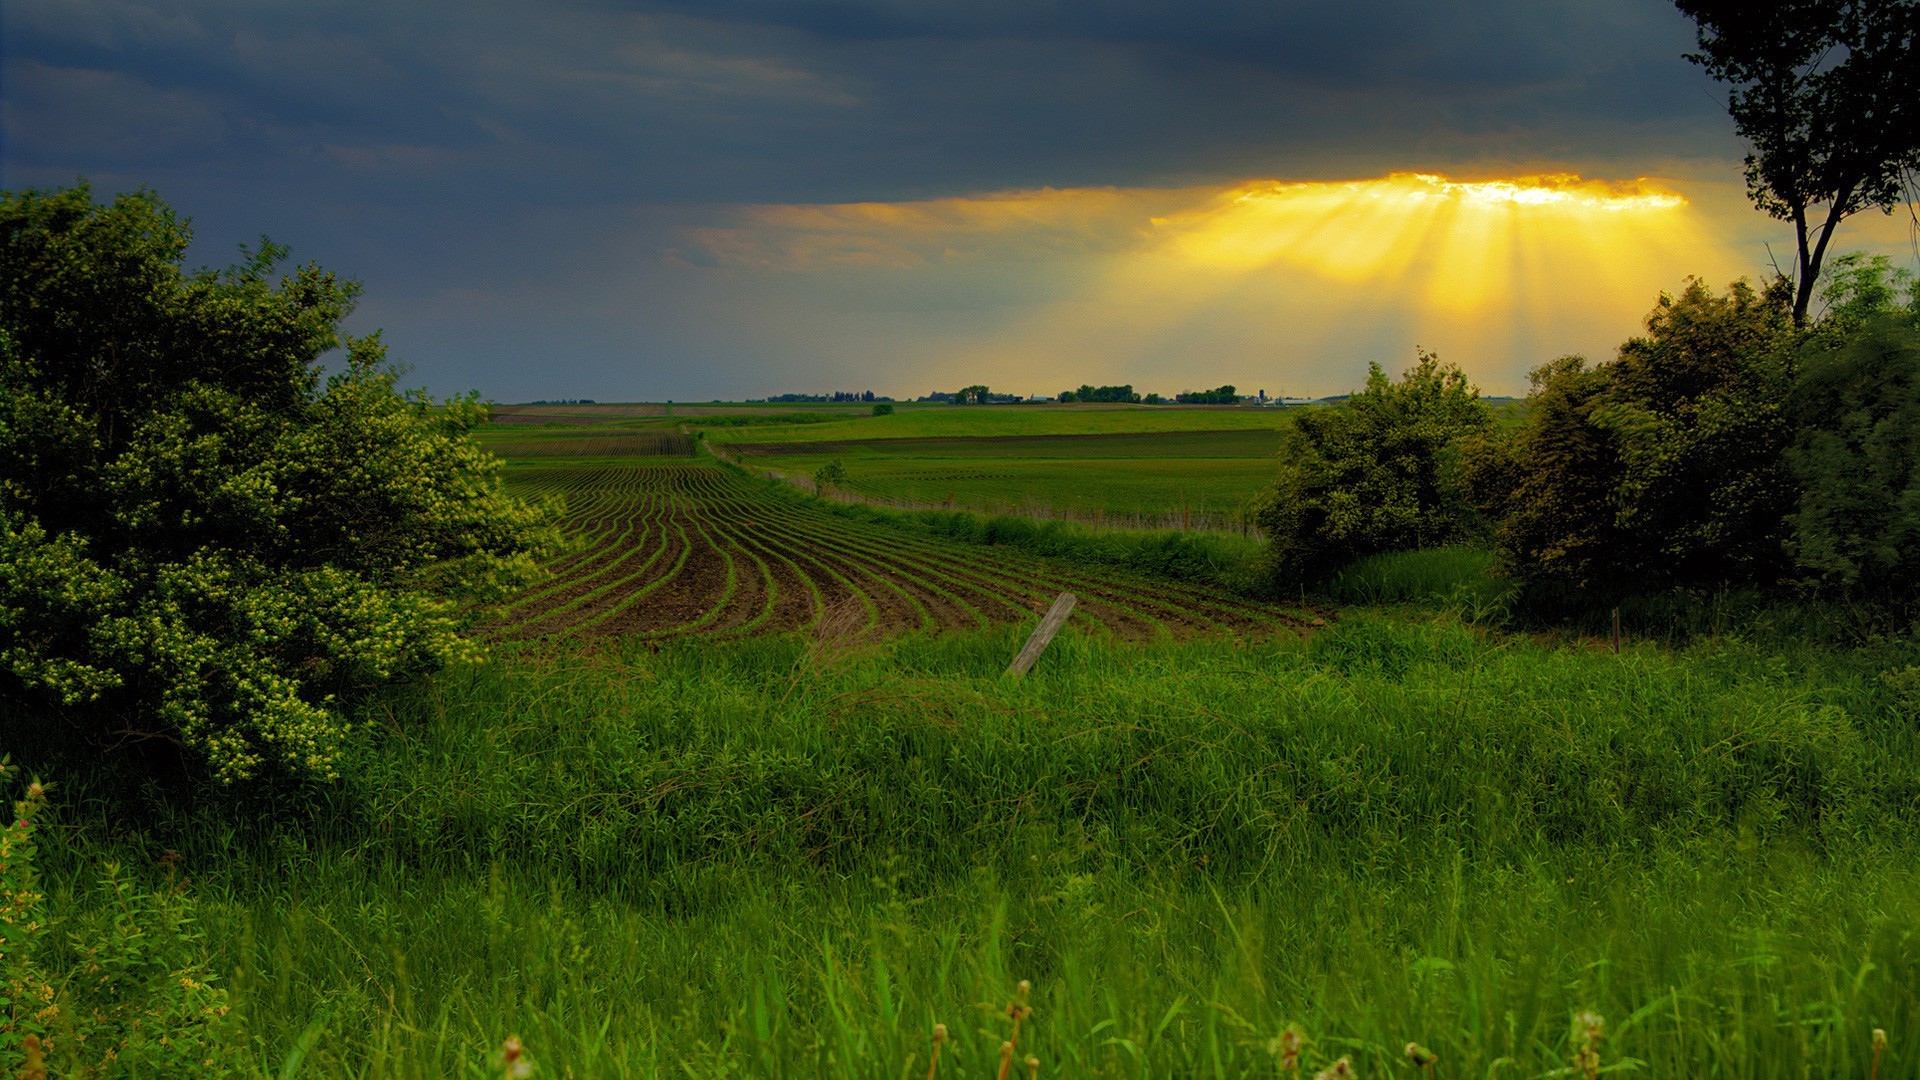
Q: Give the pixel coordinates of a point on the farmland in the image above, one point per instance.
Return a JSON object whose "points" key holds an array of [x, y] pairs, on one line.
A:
{"points": [[1108, 465], [744, 792], [684, 548], [1166, 479]]}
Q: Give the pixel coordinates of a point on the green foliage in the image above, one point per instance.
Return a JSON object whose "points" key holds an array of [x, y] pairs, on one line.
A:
{"points": [[200, 540], [1828, 96], [124, 988], [1223, 395], [1861, 289], [1374, 474], [1112, 394], [1663, 468], [831, 475], [1856, 528], [27, 1005], [883, 409]]}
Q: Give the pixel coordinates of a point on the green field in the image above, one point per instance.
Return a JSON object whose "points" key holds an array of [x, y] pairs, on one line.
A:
{"points": [[1120, 467], [762, 859], [1113, 465], [744, 792]]}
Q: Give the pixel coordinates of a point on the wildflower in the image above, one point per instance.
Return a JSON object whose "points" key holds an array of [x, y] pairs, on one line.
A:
{"points": [[1421, 1057], [513, 1059], [1592, 1028], [1286, 1048], [939, 1036], [1339, 1070]]}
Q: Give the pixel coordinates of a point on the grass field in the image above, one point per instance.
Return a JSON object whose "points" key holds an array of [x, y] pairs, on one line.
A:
{"points": [[741, 859], [744, 792], [1138, 472]]}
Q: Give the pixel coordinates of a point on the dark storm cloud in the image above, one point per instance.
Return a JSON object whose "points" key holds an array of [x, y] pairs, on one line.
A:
{"points": [[753, 100], [450, 153]]}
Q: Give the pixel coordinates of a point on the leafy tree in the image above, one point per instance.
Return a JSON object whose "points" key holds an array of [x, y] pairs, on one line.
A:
{"points": [[1861, 289], [201, 540], [1662, 468], [1827, 93], [1120, 394], [829, 476], [1373, 474], [1856, 455]]}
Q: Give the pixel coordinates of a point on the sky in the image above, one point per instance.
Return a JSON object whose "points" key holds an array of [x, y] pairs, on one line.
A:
{"points": [[735, 198]]}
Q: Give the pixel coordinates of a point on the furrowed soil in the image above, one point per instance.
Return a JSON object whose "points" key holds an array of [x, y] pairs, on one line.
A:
{"points": [[670, 548]]}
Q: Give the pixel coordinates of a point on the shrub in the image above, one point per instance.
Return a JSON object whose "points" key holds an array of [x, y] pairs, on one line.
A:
{"points": [[883, 409], [831, 475], [1373, 474], [201, 541], [1664, 468]]}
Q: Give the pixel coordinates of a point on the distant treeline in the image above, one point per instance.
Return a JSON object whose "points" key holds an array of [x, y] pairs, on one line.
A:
{"points": [[836, 397], [1123, 395], [563, 401]]}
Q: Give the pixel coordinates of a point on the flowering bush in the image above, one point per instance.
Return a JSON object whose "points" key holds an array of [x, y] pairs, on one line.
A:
{"points": [[201, 539]]}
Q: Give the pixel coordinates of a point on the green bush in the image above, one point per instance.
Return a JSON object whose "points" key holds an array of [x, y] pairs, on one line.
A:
{"points": [[1374, 474], [883, 409], [1664, 468], [201, 540], [1856, 528], [831, 475]]}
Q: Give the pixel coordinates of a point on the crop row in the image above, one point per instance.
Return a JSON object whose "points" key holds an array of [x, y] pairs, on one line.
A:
{"points": [[676, 548]]}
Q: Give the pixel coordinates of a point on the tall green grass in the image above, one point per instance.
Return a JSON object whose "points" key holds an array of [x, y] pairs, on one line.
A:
{"points": [[773, 859]]}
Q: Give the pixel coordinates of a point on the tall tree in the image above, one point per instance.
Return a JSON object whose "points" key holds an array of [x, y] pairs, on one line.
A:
{"points": [[1827, 93]]}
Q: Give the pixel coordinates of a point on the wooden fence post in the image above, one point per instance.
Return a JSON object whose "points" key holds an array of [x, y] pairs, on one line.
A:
{"points": [[1050, 625]]}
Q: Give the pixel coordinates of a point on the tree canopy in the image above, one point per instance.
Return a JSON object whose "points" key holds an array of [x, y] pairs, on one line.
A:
{"points": [[202, 539], [1827, 93]]}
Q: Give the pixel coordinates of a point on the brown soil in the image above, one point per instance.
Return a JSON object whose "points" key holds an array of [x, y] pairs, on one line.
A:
{"points": [[778, 549]]}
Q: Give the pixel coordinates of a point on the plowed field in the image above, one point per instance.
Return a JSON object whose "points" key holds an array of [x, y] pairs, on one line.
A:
{"points": [[687, 547]]}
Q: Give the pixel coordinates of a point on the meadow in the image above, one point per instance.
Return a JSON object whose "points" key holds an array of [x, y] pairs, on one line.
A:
{"points": [[768, 857], [745, 791]]}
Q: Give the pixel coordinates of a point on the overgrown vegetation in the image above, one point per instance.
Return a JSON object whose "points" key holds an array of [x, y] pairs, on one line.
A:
{"points": [[762, 858], [1724, 449]]}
